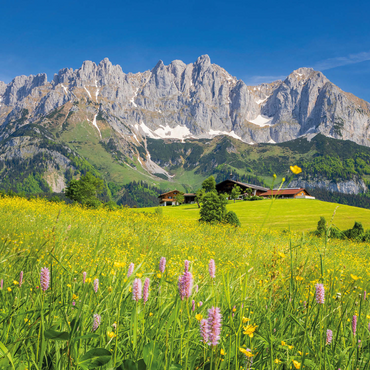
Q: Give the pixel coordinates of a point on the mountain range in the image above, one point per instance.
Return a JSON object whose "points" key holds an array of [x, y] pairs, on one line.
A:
{"points": [[122, 126]]}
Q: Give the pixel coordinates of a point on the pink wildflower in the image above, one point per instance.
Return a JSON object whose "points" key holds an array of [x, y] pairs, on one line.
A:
{"points": [[204, 332], [1, 283], [214, 325], [193, 305], [96, 322], [146, 290], [45, 279], [84, 277], [212, 269], [320, 293], [130, 269], [185, 285], [96, 285], [136, 290], [21, 279], [329, 336], [162, 264], [186, 265]]}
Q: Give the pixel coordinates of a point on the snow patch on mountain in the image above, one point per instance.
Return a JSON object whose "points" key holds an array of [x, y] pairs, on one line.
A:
{"points": [[262, 121], [87, 91], [231, 133], [95, 124]]}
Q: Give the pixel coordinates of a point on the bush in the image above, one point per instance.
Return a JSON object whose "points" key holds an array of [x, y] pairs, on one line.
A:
{"points": [[335, 232], [158, 211], [321, 227], [232, 219], [213, 207], [356, 232]]}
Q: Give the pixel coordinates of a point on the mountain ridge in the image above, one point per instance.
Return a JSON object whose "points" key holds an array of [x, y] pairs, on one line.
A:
{"points": [[100, 119]]}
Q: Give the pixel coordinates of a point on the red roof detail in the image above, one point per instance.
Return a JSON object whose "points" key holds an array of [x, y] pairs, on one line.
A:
{"points": [[283, 192]]}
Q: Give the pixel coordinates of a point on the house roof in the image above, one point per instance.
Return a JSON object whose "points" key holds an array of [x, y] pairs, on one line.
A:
{"points": [[286, 191], [169, 192], [256, 187]]}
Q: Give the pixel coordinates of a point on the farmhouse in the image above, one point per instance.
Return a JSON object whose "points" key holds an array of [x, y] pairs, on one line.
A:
{"points": [[227, 185], [169, 198], [298, 193]]}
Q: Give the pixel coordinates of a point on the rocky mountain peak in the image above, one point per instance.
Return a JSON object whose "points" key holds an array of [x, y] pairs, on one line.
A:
{"points": [[198, 100]]}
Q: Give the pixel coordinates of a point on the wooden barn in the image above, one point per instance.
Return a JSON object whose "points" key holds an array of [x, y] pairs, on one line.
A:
{"points": [[227, 185], [298, 193], [189, 198], [169, 198]]}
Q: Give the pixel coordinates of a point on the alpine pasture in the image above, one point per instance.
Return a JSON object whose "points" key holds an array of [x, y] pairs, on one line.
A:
{"points": [[84, 289]]}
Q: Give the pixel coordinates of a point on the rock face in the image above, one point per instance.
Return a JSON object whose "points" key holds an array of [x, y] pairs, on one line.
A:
{"points": [[354, 186], [197, 100]]}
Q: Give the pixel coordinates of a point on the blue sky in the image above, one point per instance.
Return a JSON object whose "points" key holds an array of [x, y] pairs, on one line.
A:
{"points": [[256, 41]]}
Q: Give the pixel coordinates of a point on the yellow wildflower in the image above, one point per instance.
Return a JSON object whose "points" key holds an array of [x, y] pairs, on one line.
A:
{"points": [[15, 282], [139, 275], [295, 169], [74, 296], [159, 275], [354, 277], [247, 353], [110, 289], [199, 317], [222, 352], [277, 361], [111, 334], [290, 347], [283, 343], [249, 330], [9, 289], [88, 280], [296, 364], [245, 319], [282, 255]]}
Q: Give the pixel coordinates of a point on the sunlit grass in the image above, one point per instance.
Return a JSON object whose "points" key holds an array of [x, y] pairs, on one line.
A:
{"points": [[296, 214], [263, 278]]}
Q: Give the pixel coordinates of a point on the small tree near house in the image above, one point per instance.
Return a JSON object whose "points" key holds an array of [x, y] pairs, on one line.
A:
{"points": [[199, 196], [180, 199], [235, 192]]}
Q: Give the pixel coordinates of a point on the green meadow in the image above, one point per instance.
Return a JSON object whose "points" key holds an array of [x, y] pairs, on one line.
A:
{"points": [[296, 214]]}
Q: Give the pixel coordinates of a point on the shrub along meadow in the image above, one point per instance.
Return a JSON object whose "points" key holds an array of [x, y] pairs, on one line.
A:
{"points": [[89, 289]]}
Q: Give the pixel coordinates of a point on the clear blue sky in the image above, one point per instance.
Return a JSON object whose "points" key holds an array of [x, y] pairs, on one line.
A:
{"points": [[256, 41]]}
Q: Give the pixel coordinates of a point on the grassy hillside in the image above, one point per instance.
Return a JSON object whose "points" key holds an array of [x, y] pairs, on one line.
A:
{"points": [[298, 214]]}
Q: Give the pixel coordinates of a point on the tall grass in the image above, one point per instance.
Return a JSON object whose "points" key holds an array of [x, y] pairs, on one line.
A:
{"points": [[264, 286]]}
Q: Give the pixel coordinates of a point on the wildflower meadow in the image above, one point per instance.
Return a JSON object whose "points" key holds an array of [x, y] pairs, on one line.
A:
{"points": [[100, 289]]}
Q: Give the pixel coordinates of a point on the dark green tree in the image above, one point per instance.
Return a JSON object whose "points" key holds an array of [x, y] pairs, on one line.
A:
{"points": [[209, 184], [85, 190], [213, 208]]}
